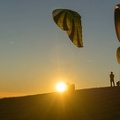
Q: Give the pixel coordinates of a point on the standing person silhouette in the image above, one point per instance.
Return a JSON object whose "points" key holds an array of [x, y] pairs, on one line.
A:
{"points": [[112, 83]]}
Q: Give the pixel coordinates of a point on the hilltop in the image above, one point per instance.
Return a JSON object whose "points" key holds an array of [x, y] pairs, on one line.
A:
{"points": [[86, 104]]}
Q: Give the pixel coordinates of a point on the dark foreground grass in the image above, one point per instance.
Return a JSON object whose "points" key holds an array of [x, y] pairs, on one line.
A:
{"points": [[88, 104]]}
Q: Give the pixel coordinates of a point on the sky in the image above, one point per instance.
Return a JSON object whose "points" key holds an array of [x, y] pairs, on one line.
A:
{"points": [[35, 53]]}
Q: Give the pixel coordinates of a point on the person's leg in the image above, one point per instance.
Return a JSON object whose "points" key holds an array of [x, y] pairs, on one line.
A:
{"points": [[110, 83], [113, 83]]}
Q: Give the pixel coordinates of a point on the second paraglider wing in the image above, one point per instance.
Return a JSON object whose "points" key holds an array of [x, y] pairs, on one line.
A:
{"points": [[70, 21], [117, 20], [118, 55]]}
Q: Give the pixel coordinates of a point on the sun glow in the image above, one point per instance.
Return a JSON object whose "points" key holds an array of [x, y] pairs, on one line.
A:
{"points": [[61, 87]]}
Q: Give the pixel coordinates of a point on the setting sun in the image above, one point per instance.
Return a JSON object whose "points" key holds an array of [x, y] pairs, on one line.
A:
{"points": [[61, 87]]}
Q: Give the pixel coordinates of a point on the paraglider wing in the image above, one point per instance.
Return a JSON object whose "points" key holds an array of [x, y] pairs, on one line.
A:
{"points": [[118, 55], [117, 20], [70, 21]]}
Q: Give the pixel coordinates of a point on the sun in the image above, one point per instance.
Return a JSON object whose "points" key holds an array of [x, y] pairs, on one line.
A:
{"points": [[61, 87]]}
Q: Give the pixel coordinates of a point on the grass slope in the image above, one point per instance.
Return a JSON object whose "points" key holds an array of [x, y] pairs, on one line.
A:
{"points": [[87, 104]]}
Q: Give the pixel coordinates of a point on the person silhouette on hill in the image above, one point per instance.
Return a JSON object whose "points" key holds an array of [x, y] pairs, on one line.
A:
{"points": [[112, 83]]}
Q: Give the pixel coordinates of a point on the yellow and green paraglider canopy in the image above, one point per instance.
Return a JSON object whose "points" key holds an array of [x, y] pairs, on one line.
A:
{"points": [[69, 21]]}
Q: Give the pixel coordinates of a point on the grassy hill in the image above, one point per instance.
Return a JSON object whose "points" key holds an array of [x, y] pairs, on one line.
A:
{"points": [[87, 104]]}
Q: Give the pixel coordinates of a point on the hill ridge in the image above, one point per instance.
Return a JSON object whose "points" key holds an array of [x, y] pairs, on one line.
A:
{"points": [[85, 104]]}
